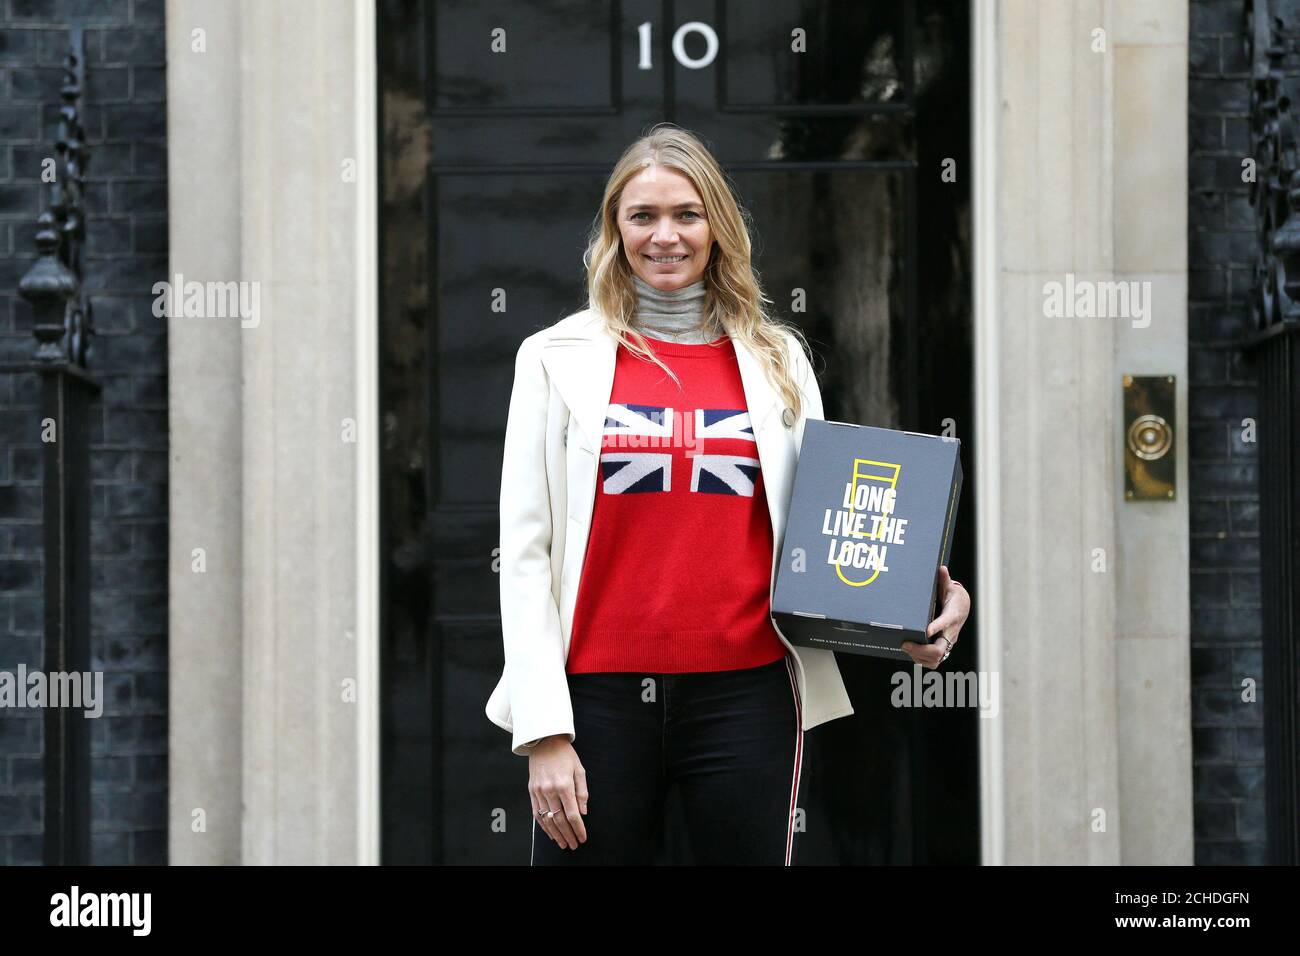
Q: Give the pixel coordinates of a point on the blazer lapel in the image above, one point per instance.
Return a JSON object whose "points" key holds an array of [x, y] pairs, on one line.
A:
{"points": [[761, 399], [581, 364]]}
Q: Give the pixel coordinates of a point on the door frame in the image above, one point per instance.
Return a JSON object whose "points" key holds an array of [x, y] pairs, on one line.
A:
{"points": [[369, 725], [984, 125], [984, 113]]}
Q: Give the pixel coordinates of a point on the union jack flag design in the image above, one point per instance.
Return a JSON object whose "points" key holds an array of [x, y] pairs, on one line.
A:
{"points": [[722, 455], [722, 473]]}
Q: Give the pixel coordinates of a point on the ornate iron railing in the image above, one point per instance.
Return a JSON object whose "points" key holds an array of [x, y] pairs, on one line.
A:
{"points": [[63, 328], [1273, 346]]}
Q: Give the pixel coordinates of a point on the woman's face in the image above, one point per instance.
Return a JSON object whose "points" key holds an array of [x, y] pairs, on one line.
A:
{"points": [[660, 214]]}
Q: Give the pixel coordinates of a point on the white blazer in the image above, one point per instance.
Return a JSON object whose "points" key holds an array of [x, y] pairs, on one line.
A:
{"points": [[564, 376]]}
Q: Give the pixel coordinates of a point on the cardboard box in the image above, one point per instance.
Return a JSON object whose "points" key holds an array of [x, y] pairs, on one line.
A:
{"points": [[871, 519]]}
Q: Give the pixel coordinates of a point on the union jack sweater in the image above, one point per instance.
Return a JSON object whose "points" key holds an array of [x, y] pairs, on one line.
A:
{"points": [[677, 570]]}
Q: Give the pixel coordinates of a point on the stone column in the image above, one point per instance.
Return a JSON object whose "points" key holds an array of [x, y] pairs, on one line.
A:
{"points": [[1087, 617], [1152, 577], [272, 711]]}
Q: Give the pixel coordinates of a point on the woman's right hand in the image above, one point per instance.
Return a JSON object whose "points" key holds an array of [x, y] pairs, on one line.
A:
{"points": [[557, 781]]}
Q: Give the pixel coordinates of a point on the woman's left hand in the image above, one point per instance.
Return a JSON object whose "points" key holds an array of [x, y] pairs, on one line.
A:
{"points": [[955, 609]]}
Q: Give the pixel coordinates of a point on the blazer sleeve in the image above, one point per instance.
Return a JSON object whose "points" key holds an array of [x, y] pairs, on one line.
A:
{"points": [[530, 620]]}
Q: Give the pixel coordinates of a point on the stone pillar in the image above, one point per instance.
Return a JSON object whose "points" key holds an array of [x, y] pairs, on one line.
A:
{"points": [[1086, 620], [271, 163], [1152, 575]]}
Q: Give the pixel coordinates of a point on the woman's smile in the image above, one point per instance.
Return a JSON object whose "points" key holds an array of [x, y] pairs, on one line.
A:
{"points": [[667, 262]]}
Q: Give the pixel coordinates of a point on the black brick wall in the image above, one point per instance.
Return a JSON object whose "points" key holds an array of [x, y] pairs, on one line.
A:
{"points": [[126, 198], [1227, 733]]}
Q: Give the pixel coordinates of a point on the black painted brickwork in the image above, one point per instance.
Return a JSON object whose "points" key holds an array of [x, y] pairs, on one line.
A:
{"points": [[1227, 733], [126, 192]]}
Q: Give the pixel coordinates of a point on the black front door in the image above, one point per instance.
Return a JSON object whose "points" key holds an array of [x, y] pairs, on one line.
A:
{"points": [[845, 127]]}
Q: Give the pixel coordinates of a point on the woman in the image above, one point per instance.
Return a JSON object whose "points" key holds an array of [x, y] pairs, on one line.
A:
{"points": [[649, 456]]}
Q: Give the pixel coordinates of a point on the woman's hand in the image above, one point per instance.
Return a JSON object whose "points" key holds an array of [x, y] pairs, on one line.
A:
{"points": [[955, 609], [557, 781]]}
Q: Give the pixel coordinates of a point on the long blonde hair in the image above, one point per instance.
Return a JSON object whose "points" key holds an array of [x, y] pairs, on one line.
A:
{"points": [[734, 303]]}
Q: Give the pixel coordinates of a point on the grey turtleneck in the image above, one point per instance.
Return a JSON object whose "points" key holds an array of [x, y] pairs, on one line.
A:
{"points": [[676, 316]]}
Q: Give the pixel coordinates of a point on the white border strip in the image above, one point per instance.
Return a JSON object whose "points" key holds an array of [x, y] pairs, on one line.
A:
{"points": [[985, 118], [366, 372]]}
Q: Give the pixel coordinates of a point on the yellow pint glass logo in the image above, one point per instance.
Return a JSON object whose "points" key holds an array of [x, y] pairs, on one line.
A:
{"points": [[865, 470]]}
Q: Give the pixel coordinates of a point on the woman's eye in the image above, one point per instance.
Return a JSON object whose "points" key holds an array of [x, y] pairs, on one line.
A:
{"points": [[688, 212]]}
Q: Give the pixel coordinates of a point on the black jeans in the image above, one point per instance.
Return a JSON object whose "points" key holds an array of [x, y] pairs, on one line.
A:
{"points": [[732, 741]]}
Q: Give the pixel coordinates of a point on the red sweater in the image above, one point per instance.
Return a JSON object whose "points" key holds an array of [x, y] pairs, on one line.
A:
{"points": [[677, 572]]}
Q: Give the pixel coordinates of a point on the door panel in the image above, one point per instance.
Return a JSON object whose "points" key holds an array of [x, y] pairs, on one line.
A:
{"points": [[492, 167]]}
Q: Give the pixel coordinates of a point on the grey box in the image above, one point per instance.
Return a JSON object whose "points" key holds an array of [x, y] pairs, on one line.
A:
{"points": [[872, 581]]}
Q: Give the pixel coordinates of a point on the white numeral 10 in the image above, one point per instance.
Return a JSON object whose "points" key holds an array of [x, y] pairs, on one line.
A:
{"points": [[679, 45]]}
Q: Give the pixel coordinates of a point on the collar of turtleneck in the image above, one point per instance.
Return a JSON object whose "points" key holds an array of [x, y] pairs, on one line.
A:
{"points": [[676, 316]]}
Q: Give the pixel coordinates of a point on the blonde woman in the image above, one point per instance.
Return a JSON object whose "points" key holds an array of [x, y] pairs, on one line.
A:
{"points": [[648, 460]]}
